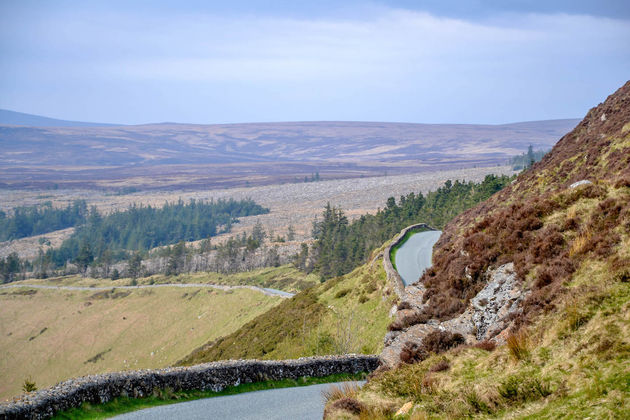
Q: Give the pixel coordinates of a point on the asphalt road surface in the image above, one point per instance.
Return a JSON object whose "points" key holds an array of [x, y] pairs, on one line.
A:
{"points": [[414, 256], [304, 403]]}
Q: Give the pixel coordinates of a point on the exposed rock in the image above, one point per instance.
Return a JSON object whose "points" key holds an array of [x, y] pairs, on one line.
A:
{"points": [[486, 316], [580, 183]]}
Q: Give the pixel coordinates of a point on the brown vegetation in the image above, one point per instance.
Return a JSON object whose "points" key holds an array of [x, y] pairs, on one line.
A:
{"points": [[435, 342], [515, 225]]}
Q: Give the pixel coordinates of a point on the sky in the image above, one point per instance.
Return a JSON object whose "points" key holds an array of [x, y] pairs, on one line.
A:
{"points": [[475, 61]]}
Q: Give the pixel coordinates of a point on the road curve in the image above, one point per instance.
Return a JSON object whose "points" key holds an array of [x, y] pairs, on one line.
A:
{"points": [[266, 291], [304, 403], [414, 255]]}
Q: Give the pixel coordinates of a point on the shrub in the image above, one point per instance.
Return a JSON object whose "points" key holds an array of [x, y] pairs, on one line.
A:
{"points": [[518, 344], [413, 353], [341, 293], [435, 342], [522, 389], [486, 345], [439, 341], [440, 366], [476, 403], [623, 182], [29, 385], [404, 305], [351, 405], [407, 321], [338, 392]]}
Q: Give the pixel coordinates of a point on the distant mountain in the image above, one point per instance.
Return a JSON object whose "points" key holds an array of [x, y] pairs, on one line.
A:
{"points": [[159, 144], [19, 118], [242, 154]]}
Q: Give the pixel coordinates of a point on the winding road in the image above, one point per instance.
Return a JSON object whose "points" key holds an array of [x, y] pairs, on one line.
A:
{"points": [[267, 291], [414, 255], [304, 403]]}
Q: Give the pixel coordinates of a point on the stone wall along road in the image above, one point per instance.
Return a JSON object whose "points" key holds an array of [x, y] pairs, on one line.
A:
{"points": [[214, 376]]}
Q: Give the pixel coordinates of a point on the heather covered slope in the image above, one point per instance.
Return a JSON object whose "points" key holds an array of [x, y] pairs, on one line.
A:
{"points": [[541, 224], [565, 352]]}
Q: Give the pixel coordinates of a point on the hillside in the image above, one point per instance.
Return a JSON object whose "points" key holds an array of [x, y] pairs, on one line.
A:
{"points": [[186, 155], [90, 326], [540, 271], [348, 314]]}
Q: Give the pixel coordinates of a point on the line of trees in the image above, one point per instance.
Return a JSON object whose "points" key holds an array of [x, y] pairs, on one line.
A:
{"points": [[12, 267], [110, 238], [36, 220], [341, 246]]}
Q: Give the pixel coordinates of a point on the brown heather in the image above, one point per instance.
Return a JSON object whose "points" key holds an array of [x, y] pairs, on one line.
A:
{"points": [[514, 226]]}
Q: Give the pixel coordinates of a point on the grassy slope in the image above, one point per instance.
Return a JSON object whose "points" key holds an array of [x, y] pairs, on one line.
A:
{"points": [[52, 334], [343, 315], [575, 332], [576, 366]]}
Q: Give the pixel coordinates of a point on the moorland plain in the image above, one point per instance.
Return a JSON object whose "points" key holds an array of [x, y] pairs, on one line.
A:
{"points": [[291, 204]]}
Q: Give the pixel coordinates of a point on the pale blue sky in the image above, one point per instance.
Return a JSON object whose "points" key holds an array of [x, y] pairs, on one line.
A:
{"points": [[246, 61]]}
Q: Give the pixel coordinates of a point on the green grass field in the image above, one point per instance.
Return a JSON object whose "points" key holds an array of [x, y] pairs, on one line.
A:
{"points": [[53, 335]]}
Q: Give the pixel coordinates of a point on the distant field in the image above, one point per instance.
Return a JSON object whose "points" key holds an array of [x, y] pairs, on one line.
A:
{"points": [[52, 335], [290, 204]]}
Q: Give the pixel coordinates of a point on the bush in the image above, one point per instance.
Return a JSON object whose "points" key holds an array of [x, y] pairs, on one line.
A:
{"points": [[404, 305], [518, 345], [418, 317], [351, 405], [486, 345], [522, 389], [29, 385], [439, 341], [440, 366], [413, 353], [434, 342], [341, 293]]}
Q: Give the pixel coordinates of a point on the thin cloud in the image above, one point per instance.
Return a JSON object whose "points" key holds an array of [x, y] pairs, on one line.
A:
{"points": [[388, 64]]}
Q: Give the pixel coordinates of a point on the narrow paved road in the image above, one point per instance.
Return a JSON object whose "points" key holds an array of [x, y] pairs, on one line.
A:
{"points": [[303, 403], [267, 291], [414, 256]]}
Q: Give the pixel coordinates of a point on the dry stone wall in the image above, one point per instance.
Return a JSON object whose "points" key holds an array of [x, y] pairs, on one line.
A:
{"points": [[213, 376]]}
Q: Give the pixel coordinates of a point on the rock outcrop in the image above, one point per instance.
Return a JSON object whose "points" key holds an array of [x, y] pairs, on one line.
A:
{"points": [[486, 318]]}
